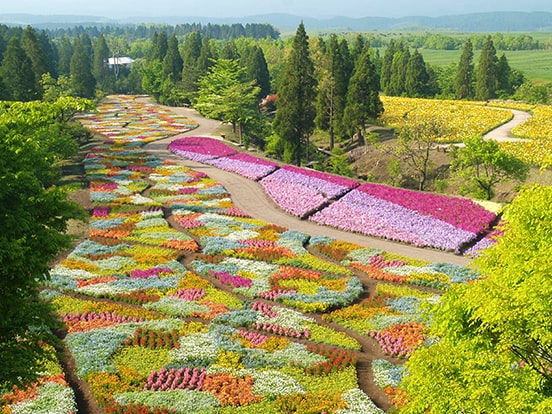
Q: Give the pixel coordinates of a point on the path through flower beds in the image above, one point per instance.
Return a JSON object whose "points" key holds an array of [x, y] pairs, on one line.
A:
{"points": [[418, 218], [178, 300]]}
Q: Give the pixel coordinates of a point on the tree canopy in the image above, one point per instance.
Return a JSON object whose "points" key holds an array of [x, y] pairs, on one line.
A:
{"points": [[482, 164], [34, 137], [296, 108], [492, 346]]}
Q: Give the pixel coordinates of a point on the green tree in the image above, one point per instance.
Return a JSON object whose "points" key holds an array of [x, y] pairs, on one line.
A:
{"points": [[173, 63], [492, 346], [152, 79], [294, 122], [159, 47], [332, 88], [17, 73], [486, 81], [226, 94], [397, 83], [83, 82], [191, 52], [465, 72], [482, 164], [34, 49], [34, 137], [387, 63], [100, 68], [416, 76], [504, 77], [65, 52], [363, 101], [415, 142], [257, 69]]}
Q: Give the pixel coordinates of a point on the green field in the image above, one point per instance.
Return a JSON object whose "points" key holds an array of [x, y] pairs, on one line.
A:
{"points": [[535, 64]]}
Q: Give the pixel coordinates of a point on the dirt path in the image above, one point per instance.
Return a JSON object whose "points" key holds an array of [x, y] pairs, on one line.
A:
{"points": [[503, 133], [250, 197]]}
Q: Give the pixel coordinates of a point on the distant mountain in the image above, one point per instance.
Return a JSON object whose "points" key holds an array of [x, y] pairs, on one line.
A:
{"points": [[474, 22]]}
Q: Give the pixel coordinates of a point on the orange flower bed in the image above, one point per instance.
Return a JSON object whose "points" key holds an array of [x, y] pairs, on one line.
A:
{"points": [[231, 390]]}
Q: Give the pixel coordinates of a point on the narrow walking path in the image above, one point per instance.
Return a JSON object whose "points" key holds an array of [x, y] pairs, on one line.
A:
{"points": [[503, 132]]}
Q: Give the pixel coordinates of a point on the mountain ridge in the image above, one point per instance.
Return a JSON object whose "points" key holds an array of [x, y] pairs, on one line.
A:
{"points": [[470, 22]]}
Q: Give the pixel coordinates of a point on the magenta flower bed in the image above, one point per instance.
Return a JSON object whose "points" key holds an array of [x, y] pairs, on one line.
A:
{"points": [[460, 212], [244, 164], [360, 212], [200, 148]]}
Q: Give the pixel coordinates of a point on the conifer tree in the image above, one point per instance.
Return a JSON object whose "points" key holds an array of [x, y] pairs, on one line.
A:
{"points": [[399, 65], [65, 52], [173, 63], [17, 73], [386, 66], [257, 69], [486, 81], [464, 72], [100, 68], [82, 81], [416, 76], [363, 102], [294, 122], [34, 49]]}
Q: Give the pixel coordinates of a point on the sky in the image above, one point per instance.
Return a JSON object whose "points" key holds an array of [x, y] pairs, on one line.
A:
{"points": [[241, 8]]}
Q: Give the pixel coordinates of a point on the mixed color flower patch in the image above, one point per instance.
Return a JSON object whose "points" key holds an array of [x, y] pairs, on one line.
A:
{"points": [[179, 302]]}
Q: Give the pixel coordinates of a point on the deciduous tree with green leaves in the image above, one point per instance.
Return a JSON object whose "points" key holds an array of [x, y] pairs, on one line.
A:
{"points": [[481, 164], [492, 339], [226, 94], [34, 137]]}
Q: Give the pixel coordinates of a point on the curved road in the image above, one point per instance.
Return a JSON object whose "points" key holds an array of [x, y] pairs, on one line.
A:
{"points": [[503, 132]]}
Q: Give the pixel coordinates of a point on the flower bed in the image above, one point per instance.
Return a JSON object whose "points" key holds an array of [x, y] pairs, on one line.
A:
{"points": [[363, 213], [200, 148], [244, 164], [300, 191], [250, 353]]}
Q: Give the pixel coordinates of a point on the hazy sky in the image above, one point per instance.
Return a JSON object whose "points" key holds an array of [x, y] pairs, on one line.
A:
{"points": [[235, 8]]}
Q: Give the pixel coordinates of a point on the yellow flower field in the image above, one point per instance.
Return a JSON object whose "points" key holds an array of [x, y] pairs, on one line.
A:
{"points": [[462, 119]]}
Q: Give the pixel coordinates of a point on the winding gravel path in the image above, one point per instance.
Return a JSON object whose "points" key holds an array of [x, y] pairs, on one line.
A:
{"points": [[503, 133]]}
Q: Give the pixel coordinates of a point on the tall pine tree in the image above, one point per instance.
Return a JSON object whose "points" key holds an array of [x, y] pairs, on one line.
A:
{"points": [[486, 80], [294, 122], [416, 76], [100, 68], [464, 72], [173, 63], [17, 73], [83, 82], [363, 102]]}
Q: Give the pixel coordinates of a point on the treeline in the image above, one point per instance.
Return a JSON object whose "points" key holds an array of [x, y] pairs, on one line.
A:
{"points": [[143, 31], [439, 41]]}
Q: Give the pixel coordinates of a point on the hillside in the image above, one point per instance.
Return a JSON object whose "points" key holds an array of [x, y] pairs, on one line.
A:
{"points": [[473, 22]]}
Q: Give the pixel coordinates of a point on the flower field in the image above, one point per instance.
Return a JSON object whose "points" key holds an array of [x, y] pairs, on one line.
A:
{"points": [[418, 218], [421, 219], [539, 129], [177, 301], [461, 119]]}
